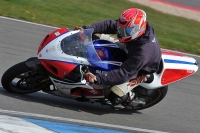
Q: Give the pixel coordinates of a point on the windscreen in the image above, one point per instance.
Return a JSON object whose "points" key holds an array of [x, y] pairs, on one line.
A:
{"points": [[80, 44]]}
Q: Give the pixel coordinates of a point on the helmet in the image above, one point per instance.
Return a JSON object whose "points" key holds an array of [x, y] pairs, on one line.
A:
{"points": [[131, 24]]}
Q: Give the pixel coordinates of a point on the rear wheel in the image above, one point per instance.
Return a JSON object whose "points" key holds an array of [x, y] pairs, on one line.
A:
{"points": [[149, 97], [22, 79]]}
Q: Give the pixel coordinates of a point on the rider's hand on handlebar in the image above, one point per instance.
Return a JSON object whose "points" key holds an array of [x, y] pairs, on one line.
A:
{"points": [[89, 77], [78, 28]]}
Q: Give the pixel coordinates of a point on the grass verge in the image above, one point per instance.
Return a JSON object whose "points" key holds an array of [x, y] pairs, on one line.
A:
{"points": [[173, 32]]}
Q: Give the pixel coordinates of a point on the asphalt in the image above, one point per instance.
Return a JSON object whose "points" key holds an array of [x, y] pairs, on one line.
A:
{"points": [[189, 3]]}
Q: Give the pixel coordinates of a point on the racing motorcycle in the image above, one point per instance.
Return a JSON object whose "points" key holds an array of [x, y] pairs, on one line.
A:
{"points": [[65, 55]]}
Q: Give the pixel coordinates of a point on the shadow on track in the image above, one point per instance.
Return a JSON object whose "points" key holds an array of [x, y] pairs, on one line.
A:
{"points": [[60, 102]]}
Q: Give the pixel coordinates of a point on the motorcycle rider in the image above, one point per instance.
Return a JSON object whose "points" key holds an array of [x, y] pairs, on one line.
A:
{"points": [[143, 52]]}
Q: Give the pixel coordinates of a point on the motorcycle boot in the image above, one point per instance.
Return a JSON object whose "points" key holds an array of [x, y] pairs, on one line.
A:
{"points": [[120, 102], [122, 94]]}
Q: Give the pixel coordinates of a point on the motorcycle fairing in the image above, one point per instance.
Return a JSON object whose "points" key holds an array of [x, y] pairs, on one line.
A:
{"points": [[79, 89], [172, 75], [70, 48], [88, 93], [175, 67], [58, 68], [76, 48], [51, 37], [52, 56], [164, 52], [110, 54]]}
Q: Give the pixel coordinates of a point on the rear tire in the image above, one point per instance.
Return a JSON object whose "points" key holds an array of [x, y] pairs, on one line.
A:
{"points": [[22, 79], [155, 96]]}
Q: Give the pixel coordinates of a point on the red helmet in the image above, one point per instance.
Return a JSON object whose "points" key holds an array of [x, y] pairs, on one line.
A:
{"points": [[131, 24]]}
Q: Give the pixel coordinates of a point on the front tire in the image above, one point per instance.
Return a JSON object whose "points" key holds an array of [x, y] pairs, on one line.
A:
{"points": [[22, 79]]}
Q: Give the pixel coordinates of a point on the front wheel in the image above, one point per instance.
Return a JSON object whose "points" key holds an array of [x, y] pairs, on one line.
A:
{"points": [[22, 79]]}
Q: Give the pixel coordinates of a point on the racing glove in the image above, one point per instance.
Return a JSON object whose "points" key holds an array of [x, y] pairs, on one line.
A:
{"points": [[78, 28], [89, 77]]}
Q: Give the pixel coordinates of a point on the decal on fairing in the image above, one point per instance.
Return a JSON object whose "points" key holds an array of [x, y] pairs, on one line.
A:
{"points": [[51, 49], [178, 62], [101, 53], [113, 63], [172, 75], [173, 53], [40, 55], [105, 43], [87, 92], [66, 83], [57, 33]]}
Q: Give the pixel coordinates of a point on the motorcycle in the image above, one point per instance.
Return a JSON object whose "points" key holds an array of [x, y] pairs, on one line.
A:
{"points": [[65, 55]]}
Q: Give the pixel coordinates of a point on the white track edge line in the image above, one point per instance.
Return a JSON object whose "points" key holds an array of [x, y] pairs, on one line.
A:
{"points": [[27, 22], [79, 121]]}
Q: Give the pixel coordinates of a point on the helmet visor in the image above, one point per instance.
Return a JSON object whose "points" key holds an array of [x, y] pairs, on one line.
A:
{"points": [[120, 31], [123, 34]]}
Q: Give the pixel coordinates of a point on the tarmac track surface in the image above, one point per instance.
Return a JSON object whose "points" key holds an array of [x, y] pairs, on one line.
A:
{"points": [[189, 3], [177, 113]]}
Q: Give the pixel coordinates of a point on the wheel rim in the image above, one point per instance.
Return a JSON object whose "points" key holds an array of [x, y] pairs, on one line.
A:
{"points": [[151, 101], [27, 82], [159, 94]]}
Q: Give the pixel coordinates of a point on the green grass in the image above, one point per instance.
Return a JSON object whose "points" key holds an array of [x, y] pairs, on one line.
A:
{"points": [[174, 33]]}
